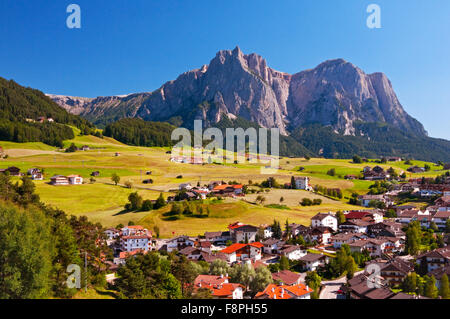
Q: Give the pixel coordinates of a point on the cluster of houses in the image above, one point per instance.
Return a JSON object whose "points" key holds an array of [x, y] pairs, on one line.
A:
{"points": [[215, 188], [364, 231], [37, 175], [392, 273], [41, 119]]}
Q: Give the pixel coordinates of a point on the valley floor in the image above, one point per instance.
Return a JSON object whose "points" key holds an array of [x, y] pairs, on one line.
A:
{"points": [[102, 201]]}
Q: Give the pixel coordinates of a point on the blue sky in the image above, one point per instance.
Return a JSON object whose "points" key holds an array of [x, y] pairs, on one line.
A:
{"points": [[127, 46]]}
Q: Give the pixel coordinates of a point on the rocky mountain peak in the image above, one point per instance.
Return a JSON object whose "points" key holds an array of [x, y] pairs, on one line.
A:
{"points": [[234, 84]]}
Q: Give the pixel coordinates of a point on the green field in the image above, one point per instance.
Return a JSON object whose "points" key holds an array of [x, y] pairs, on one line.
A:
{"points": [[103, 202]]}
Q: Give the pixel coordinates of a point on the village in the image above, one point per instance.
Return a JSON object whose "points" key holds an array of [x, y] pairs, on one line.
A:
{"points": [[365, 253], [298, 253]]}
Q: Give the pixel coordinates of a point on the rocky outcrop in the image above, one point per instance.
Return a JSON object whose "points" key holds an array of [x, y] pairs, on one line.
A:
{"points": [[335, 93]]}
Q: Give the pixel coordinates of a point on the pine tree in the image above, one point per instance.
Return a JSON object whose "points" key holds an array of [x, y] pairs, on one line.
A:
{"points": [[444, 290]]}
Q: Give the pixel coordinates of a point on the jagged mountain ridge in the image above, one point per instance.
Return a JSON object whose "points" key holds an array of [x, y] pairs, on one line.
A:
{"points": [[336, 93]]}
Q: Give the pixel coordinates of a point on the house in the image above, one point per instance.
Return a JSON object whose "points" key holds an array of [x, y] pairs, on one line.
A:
{"points": [[443, 203], [241, 233], [441, 218], [313, 261], [124, 255], [135, 238], [319, 234], [213, 184], [13, 171], [268, 233], [364, 286], [272, 245], [274, 291], [112, 233], [325, 220], [376, 173], [355, 225], [367, 199], [438, 273], [59, 180], [35, 174], [386, 229], [228, 190], [297, 229], [75, 179], [292, 252], [186, 186], [438, 258], [241, 252], [37, 177], [416, 169], [394, 159], [302, 182], [219, 286], [218, 238], [209, 257], [286, 277], [85, 148], [374, 216], [395, 271], [345, 238], [191, 253], [376, 247], [179, 243]]}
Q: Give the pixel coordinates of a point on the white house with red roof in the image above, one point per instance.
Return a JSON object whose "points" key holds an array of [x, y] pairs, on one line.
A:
{"points": [[273, 291], [242, 252], [219, 286], [241, 233], [135, 238]]}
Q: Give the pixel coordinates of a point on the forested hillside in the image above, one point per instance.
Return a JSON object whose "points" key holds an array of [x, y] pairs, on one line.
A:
{"points": [[20, 108], [372, 140], [140, 133]]}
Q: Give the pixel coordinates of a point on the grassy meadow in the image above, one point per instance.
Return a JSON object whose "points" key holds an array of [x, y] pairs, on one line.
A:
{"points": [[102, 201]]}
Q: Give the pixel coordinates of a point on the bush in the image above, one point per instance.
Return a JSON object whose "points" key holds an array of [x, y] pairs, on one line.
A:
{"points": [[306, 202], [147, 205]]}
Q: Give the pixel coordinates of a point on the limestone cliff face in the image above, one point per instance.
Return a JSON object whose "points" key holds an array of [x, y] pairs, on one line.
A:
{"points": [[234, 84]]}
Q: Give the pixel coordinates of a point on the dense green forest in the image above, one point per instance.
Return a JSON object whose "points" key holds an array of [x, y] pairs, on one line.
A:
{"points": [[20, 106], [379, 140], [37, 243], [140, 133]]}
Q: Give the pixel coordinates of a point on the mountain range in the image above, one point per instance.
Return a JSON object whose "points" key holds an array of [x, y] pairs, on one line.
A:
{"points": [[336, 99]]}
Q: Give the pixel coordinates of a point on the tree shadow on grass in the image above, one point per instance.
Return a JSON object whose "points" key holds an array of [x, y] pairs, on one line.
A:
{"points": [[106, 293]]}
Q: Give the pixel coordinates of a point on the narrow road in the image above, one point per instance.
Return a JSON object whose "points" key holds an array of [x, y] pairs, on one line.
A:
{"points": [[330, 288]]}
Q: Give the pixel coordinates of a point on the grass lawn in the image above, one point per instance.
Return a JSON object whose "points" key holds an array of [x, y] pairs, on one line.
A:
{"points": [[97, 201], [103, 202], [95, 293], [229, 211]]}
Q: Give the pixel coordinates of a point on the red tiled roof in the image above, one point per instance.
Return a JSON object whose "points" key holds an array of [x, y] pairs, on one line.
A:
{"points": [[226, 290], [209, 280], [273, 291], [235, 247]]}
